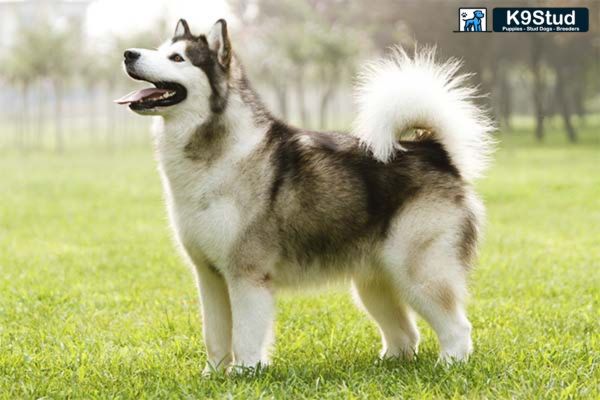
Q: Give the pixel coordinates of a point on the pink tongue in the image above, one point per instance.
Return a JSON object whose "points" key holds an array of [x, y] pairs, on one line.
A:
{"points": [[143, 94]]}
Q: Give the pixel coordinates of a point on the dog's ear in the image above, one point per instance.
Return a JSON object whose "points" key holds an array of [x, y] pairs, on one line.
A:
{"points": [[182, 29], [218, 41]]}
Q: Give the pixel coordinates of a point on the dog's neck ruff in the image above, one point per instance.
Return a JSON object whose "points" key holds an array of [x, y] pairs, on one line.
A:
{"points": [[238, 129], [241, 110]]}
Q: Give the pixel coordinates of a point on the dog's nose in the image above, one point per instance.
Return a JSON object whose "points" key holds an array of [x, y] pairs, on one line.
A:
{"points": [[131, 56]]}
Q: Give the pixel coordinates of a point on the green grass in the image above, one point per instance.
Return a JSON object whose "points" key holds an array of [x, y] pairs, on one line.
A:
{"points": [[95, 302]]}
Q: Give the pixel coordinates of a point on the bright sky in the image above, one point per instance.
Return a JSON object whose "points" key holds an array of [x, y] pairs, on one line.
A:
{"points": [[121, 17]]}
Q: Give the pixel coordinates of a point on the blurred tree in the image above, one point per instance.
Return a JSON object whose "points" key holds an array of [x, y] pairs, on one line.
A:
{"points": [[539, 84], [305, 40], [566, 76], [333, 54], [91, 70], [65, 45], [17, 70], [271, 68], [297, 48], [44, 52], [574, 60]]}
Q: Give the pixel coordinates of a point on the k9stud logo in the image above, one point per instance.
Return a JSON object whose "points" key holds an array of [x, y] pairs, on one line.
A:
{"points": [[541, 19]]}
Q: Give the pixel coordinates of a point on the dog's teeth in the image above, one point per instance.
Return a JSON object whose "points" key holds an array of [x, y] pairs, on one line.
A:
{"points": [[166, 95]]}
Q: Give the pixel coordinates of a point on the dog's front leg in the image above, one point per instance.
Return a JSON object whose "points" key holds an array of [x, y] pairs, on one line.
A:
{"points": [[216, 317], [252, 306]]}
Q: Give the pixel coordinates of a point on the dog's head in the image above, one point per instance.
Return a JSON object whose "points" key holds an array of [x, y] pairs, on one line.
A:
{"points": [[478, 14], [189, 73]]}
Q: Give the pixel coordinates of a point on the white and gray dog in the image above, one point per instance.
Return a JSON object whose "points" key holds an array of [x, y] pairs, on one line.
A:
{"points": [[257, 205]]}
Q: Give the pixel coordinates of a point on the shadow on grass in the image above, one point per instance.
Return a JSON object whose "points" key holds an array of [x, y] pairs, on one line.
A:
{"points": [[338, 370]]}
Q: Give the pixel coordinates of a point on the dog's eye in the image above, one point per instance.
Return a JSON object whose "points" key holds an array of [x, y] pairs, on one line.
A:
{"points": [[176, 57]]}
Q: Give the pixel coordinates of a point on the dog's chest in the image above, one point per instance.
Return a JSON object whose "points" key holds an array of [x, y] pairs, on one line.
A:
{"points": [[204, 201], [204, 210]]}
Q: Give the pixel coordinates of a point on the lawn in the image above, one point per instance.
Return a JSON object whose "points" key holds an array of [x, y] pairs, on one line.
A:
{"points": [[95, 302]]}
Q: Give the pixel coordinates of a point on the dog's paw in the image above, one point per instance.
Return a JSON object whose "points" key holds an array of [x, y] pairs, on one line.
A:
{"points": [[403, 349], [406, 354], [456, 357], [211, 369], [247, 370]]}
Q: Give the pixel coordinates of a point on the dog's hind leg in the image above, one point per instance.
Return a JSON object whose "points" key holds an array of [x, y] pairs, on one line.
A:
{"points": [[399, 333], [434, 284]]}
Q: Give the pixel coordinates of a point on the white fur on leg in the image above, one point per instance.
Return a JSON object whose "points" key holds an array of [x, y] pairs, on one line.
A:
{"points": [[399, 333], [455, 342], [432, 281], [451, 325], [216, 319], [253, 311]]}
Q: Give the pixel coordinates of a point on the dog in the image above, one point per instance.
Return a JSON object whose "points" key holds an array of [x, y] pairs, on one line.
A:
{"points": [[258, 206], [474, 24]]}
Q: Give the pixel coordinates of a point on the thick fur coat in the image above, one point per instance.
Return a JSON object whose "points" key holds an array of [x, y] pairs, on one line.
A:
{"points": [[257, 205]]}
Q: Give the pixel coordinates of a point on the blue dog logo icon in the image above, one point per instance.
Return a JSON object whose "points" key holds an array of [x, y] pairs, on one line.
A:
{"points": [[472, 19], [473, 24]]}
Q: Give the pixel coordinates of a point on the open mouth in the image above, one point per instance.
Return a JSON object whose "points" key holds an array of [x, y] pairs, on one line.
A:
{"points": [[164, 94]]}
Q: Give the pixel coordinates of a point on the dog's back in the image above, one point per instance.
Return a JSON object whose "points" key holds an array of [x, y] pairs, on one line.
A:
{"points": [[330, 202]]}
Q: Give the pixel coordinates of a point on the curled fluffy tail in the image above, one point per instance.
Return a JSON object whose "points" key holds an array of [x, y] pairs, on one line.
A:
{"points": [[399, 94]]}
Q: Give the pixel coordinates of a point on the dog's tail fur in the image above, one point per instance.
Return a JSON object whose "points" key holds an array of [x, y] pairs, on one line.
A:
{"points": [[401, 94]]}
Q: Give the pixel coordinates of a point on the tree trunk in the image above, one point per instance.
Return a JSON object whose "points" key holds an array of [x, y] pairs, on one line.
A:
{"points": [[300, 93], [40, 117], [563, 104], [111, 114], [91, 115], [323, 108], [58, 117], [22, 117], [330, 83], [281, 93], [505, 101], [538, 86], [579, 102]]}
